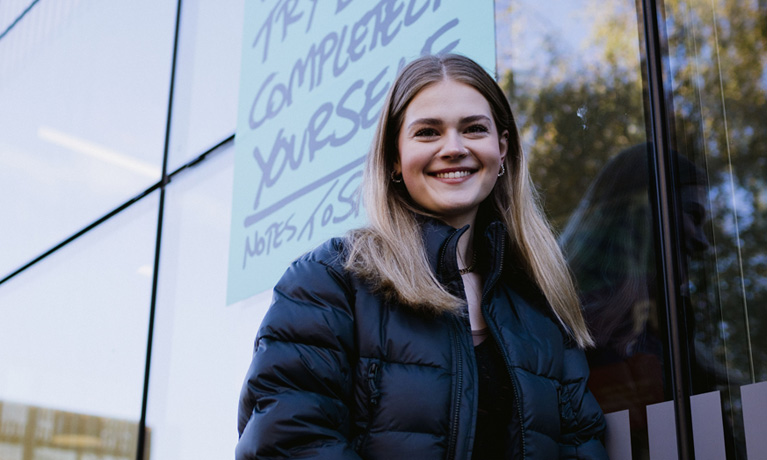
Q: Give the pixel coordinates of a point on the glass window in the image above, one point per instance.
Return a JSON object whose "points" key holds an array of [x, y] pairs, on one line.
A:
{"points": [[207, 78], [572, 73], [84, 97], [204, 347], [73, 335], [717, 65], [11, 11]]}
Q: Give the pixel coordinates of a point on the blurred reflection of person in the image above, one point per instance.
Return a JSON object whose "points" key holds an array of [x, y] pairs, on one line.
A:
{"points": [[610, 246]]}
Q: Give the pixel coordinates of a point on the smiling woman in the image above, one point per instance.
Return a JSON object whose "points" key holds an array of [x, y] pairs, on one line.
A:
{"points": [[450, 151], [447, 328]]}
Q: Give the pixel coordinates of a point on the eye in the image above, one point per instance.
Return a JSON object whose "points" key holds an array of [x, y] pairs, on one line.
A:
{"points": [[477, 128], [696, 212], [426, 132]]}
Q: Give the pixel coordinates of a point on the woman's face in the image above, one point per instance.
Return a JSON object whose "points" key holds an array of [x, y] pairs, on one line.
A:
{"points": [[450, 151]]}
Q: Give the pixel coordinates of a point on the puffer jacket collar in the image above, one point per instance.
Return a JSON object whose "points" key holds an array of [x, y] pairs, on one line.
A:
{"points": [[441, 242]]}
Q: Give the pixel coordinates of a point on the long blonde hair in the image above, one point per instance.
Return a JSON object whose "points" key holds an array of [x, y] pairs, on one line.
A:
{"points": [[390, 252]]}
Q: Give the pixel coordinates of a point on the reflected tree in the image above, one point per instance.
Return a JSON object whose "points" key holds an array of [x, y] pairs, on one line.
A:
{"points": [[579, 109]]}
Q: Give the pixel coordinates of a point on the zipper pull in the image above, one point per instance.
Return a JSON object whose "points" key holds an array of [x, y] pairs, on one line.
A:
{"points": [[375, 393]]}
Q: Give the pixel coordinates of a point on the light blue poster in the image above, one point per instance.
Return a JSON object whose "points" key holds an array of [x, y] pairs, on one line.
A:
{"points": [[314, 77]]}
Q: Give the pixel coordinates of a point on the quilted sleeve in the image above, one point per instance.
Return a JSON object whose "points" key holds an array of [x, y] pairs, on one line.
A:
{"points": [[295, 399], [583, 423]]}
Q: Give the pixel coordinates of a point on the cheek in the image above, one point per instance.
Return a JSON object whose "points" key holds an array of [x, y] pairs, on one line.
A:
{"points": [[411, 161], [413, 176]]}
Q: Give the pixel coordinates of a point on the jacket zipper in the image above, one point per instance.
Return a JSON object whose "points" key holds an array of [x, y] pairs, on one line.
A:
{"points": [[453, 440], [496, 273], [375, 393], [496, 337], [373, 399], [442, 251], [459, 386]]}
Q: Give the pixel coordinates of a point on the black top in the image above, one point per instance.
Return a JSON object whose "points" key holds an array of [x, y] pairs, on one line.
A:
{"points": [[496, 403]]}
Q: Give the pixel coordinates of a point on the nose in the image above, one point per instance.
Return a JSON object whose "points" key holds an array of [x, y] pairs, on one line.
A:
{"points": [[454, 147], [697, 241]]}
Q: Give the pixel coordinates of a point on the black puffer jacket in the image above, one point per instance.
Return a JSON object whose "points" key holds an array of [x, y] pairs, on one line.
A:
{"points": [[341, 373]]}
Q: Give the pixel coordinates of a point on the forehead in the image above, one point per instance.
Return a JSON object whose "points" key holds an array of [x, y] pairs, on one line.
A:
{"points": [[694, 193], [445, 98]]}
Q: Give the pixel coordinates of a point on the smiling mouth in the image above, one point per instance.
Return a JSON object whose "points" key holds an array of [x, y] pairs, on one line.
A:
{"points": [[453, 174]]}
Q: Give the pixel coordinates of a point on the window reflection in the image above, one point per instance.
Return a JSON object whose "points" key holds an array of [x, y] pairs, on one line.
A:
{"points": [[205, 344], [609, 243], [717, 64], [29, 432], [84, 101], [73, 337], [574, 78], [578, 90], [207, 78]]}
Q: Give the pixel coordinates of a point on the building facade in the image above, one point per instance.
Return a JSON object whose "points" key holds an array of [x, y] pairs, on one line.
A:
{"points": [[644, 127]]}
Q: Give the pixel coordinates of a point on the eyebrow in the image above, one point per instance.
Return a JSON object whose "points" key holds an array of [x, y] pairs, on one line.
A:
{"points": [[425, 121], [437, 121], [474, 118]]}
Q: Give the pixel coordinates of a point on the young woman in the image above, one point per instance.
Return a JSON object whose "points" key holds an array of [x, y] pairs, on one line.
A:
{"points": [[449, 328]]}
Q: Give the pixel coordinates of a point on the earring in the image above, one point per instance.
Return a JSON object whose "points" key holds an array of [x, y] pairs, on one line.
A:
{"points": [[503, 170], [396, 178]]}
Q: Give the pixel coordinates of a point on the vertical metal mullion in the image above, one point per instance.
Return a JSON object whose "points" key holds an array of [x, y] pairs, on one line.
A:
{"points": [[141, 443], [667, 219]]}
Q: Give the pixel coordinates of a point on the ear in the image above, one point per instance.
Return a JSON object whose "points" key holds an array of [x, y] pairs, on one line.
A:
{"points": [[503, 144], [397, 168]]}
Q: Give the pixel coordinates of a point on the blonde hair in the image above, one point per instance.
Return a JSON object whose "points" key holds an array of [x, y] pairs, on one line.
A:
{"points": [[390, 252]]}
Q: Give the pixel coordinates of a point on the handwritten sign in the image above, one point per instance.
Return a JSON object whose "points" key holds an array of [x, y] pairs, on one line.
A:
{"points": [[314, 78]]}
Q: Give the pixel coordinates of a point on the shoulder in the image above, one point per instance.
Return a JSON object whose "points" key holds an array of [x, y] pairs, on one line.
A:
{"points": [[328, 258], [317, 276], [313, 298], [332, 253]]}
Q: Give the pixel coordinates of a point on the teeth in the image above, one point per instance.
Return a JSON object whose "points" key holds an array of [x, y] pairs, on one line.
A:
{"points": [[453, 175]]}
